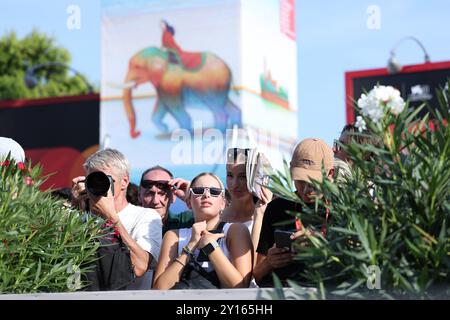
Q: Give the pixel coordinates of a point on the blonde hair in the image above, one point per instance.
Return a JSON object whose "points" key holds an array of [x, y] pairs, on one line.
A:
{"points": [[206, 174]]}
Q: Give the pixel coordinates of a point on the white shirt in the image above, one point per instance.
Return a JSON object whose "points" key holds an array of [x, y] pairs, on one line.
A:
{"points": [[184, 235], [343, 170], [145, 227]]}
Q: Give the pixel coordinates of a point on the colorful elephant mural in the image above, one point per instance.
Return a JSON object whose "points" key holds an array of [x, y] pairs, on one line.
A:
{"points": [[180, 79]]}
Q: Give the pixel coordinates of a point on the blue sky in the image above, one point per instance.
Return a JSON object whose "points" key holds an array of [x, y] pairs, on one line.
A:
{"points": [[332, 38], [50, 16]]}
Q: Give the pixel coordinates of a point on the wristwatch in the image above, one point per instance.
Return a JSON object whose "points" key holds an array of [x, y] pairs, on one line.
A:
{"points": [[210, 247]]}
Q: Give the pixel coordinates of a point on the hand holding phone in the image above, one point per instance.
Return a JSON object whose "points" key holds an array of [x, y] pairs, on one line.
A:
{"points": [[283, 239]]}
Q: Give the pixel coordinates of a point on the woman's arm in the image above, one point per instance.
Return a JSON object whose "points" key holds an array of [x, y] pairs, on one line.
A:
{"points": [[168, 270], [170, 265], [261, 268], [258, 216], [237, 272], [275, 258]]}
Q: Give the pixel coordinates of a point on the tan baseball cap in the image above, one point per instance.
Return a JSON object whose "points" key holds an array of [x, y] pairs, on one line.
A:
{"points": [[307, 159]]}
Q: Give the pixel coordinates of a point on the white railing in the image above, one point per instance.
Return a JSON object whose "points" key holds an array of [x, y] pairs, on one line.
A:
{"points": [[210, 294]]}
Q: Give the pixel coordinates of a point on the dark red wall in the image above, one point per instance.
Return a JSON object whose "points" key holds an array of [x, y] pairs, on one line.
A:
{"points": [[59, 133]]}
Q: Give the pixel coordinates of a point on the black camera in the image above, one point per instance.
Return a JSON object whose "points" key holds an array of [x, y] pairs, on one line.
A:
{"points": [[98, 184]]}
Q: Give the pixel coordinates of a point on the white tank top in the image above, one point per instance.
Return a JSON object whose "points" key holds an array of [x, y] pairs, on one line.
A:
{"points": [[184, 235], [249, 225]]}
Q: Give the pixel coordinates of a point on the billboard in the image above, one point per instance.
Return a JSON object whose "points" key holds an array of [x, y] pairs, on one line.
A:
{"points": [[184, 80], [417, 83]]}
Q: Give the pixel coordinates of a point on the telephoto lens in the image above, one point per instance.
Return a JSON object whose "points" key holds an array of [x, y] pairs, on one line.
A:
{"points": [[98, 184]]}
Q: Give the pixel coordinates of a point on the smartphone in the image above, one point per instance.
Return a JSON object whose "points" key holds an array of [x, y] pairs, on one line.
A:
{"points": [[283, 239]]}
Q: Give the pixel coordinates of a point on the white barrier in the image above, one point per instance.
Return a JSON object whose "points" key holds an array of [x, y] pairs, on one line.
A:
{"points": [[210, 294]]}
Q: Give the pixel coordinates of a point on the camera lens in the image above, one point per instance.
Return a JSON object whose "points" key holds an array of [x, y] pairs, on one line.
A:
{"points": [[97, 183]]}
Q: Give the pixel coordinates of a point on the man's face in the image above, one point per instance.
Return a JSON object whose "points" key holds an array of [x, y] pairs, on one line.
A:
{"points": [[306, 191], [155, 195], [339, 152]]}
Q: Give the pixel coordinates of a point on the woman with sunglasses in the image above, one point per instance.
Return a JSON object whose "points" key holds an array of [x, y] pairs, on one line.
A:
{"points": [[244, 207], [229, 253]]}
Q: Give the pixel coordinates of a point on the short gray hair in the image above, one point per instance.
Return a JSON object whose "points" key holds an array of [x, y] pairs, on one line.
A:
{"points": [[108, 159]]}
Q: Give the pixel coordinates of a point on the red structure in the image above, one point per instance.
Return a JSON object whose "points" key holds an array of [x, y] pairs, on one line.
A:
{"points": [[418, 83], [58, 133]]}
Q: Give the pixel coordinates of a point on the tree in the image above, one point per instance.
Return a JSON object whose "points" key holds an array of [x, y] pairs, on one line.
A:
{"points": [[17, 55]]}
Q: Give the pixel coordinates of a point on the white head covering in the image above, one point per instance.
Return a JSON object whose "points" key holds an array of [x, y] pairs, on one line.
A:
{"points": [[9, 145]]}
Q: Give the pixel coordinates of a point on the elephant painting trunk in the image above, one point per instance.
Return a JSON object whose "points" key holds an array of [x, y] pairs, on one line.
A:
{"points": [[129, 110]]}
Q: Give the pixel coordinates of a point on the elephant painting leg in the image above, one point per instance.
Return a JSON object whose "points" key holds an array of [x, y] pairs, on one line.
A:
{"points": [[159, 112], [220, 119], [216, 103], [234, 114], [176, 108]]}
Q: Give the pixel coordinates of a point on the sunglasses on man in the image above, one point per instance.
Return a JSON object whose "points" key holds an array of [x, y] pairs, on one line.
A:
{"points": [[200, 191], [160, 184], [337, 145], [307, 187]]}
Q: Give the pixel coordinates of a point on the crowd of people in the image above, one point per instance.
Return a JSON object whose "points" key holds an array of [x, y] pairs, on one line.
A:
{"points": [[227, 237]]}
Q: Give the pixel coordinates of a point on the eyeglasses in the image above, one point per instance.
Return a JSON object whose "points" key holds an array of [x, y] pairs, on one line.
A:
{"points": [[160, 184], [306, 187], [233, 154], [200, 191], [337, 145]]}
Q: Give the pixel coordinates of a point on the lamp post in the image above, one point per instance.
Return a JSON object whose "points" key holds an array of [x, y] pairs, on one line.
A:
{"points": [[393, 65], [31, 80]]}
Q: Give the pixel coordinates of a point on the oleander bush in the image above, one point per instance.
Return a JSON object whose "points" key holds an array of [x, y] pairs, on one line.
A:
{"points": [[388, 233], [44, 246]]}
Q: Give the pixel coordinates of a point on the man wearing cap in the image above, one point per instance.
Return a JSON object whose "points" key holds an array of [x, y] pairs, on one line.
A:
{"points": [[307, 160], [342, 162], [158, 190]]}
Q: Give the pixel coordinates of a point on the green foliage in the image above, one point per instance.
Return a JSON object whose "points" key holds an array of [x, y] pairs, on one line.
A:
{"points": [[392, 213], [17, 55], [44, 246]]}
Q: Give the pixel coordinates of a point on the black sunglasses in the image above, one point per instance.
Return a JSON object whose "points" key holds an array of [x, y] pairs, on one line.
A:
{"points": [[337, 145], [160, 184], [307, 187], [233, 153], [199, 191]]}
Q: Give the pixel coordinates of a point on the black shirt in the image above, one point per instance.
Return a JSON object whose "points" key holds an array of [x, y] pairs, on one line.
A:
{"points": [[276, 213], [277, 218]]}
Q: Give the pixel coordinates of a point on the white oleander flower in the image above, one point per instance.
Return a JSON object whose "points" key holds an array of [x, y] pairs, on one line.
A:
{"points": [[378, 99], [360, 124]]}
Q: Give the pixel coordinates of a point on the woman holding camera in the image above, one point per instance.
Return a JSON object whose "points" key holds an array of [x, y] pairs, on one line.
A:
{"points": [[228, 253]]}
